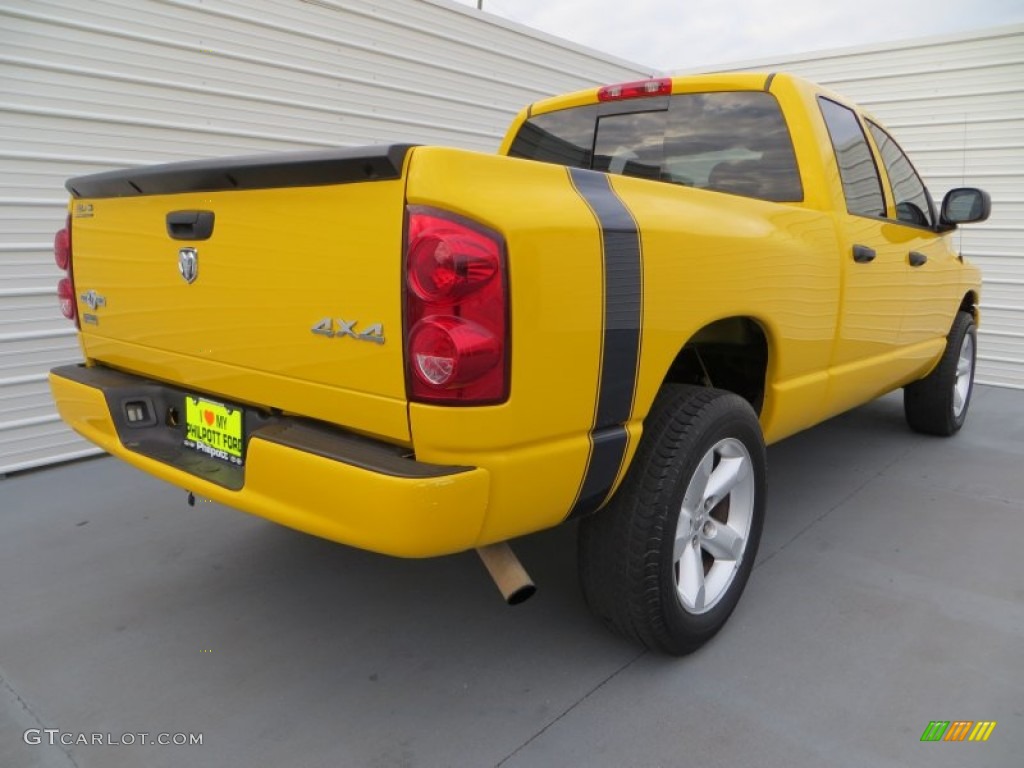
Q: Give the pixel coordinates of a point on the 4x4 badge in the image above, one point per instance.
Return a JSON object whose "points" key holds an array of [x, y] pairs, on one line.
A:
{"points": [[338, 328], [188, 264]]}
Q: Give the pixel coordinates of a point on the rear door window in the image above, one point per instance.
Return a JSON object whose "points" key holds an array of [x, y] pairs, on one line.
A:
{"points": [[862, 184]]}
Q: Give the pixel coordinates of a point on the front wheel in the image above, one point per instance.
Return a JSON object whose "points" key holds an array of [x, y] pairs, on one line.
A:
{"points": [[666, 561], [937, 404]]}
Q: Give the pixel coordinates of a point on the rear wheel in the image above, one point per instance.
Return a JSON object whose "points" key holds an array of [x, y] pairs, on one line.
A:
{"points": [[937, 404], [666, 561]]}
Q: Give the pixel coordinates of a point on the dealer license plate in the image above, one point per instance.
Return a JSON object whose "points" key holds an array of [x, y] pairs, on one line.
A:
{"points": [[214, 429]]}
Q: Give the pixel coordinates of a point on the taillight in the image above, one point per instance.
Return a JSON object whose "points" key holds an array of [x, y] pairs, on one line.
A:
{"points": [[66, 297], [62, 248], [449, 265], [62, 254], [638, 89], [456, 311]]}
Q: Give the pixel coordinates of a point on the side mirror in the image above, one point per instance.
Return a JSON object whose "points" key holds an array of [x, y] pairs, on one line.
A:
{"points": [[965, 205]]}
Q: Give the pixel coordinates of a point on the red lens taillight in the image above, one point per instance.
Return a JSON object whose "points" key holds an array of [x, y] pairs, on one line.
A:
{"points": [[452, 352], [456, 311], [62, 254], [636, 90], [449, 265], [66, 296], [62, 248]]}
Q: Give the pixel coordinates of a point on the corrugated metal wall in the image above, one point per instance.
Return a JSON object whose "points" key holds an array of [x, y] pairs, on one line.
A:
{"points": [[88, 86], [956, 104], [109, 83]]}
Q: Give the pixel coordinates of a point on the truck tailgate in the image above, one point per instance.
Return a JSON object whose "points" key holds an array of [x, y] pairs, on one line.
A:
{"points": [[291, 301]]}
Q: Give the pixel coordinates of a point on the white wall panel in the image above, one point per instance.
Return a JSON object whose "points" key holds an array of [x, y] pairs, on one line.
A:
{"points": [[956, 104], [86, 87], [112, 83]]}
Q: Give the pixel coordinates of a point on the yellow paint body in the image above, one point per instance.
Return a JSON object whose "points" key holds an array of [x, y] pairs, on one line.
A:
{"points": [[839, 333]]}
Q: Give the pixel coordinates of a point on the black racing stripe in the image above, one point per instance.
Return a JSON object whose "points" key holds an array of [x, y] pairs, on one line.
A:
{"points": [[620, 351], [607, 451]]}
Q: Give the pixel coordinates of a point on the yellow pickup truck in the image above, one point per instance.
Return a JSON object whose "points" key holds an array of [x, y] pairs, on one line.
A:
{"points": [[422, 350]]}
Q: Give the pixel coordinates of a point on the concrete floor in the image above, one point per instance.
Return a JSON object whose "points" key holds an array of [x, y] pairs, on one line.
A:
{"points": [[889, 593]]}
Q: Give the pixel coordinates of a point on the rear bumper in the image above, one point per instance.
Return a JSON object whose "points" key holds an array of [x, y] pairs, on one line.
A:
{"points": [[302, 474]]}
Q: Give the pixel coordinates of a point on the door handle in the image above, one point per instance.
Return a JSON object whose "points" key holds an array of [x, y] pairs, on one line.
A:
{"points": [[862, 254], [916, 259], [190, 225]]}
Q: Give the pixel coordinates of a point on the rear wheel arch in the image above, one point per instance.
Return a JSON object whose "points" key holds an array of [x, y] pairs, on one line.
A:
{"points": [[731, 354]]}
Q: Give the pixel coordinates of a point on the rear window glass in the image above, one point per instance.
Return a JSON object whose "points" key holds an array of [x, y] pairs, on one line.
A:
{"points": [[565, 138], [632, 145], [728, 142]]}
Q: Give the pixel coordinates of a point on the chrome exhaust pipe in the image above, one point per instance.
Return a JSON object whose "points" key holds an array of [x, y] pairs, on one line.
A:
{"points": [[508, 573]]}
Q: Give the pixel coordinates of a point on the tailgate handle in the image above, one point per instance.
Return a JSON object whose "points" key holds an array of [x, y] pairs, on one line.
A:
{"points": [[190, 225]]}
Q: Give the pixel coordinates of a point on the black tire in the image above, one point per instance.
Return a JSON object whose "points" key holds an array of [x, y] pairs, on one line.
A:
{"points": [[628, 570], [937, 404]]}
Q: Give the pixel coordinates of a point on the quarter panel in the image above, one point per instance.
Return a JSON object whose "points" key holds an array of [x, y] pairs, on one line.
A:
{"points": [[709, 256]]}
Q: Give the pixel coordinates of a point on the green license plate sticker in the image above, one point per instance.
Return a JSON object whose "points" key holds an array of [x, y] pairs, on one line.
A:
{"points": [[214, 429]]}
